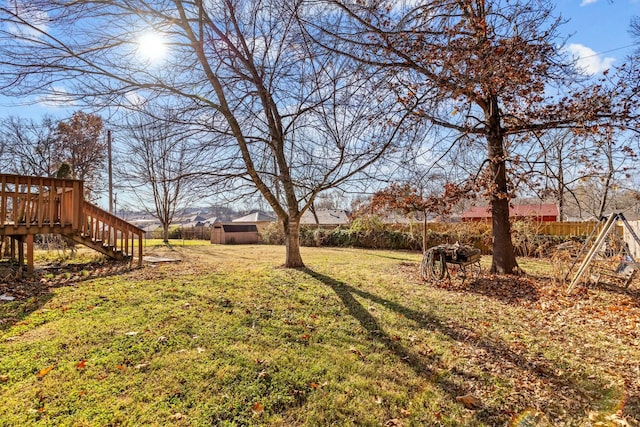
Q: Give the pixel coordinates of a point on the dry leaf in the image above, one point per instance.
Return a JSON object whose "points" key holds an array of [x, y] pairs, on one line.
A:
{"points": [[469, 401], [121, 367], [4, 378], [81, 364], [44, 372], [314, 385], [394, 422], [257, 408]]}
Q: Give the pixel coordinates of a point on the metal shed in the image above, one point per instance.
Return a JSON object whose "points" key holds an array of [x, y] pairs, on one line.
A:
{"points": [[229, 234]]}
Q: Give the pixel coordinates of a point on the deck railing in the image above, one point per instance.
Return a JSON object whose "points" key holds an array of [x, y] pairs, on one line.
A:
{"points": [[37, 205], [27, 201], [109, 230]]}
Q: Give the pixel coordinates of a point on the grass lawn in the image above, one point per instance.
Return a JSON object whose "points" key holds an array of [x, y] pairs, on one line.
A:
{"points": [[228, 337]]}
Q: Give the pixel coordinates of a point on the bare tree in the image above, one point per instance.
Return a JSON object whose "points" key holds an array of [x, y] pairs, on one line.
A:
{"points": [[159, 162], [483, 68], [287, 117], [27, 146]]}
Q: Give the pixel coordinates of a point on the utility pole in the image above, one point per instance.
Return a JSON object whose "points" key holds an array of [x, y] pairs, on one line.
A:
{"points": [[110, 172]]}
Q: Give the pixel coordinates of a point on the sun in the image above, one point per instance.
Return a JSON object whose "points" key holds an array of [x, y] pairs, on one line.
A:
{"points": [[152, 47]]}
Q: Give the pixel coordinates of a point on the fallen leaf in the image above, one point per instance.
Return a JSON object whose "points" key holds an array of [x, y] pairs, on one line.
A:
{"points": [[394, 422], [44, 372], [305, 336], [142, 366], [312, 385], [257, 408], [469, 401], [121, 367], [132, 333], [81, 364], [4, 378]]}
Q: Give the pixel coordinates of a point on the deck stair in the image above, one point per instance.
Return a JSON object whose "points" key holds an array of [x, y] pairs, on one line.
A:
{"points": [[36, 205]]}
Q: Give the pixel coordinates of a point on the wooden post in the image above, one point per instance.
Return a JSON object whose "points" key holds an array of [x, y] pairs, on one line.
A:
{"points": [[12, 250], [30, 267], [20, 256]]}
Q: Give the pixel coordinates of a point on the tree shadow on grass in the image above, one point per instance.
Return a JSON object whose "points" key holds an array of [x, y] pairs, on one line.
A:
{"points": [[507, 290], [420, 365], [497, 350]]}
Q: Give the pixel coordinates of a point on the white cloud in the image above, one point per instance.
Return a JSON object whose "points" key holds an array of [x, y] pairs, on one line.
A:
{"points": [[57, 97], [587, 2], [134, 99], [588, 60]]}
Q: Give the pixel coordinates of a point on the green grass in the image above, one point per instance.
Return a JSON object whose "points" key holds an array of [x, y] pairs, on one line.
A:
{"points": [[228, 337]]}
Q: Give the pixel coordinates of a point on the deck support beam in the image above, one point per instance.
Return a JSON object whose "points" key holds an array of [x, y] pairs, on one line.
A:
{"points": [[30, 267], [20, 240]]}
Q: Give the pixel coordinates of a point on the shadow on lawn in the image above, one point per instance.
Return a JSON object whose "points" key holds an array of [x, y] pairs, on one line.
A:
{"points": [[508, 290], [31, 293], [497, 350]]}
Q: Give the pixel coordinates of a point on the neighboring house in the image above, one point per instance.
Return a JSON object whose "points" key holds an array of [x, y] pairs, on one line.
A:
{"points": [[326, 217], [545, 212], [258, 219], [201, 222], [147, 224], [234, 233]]}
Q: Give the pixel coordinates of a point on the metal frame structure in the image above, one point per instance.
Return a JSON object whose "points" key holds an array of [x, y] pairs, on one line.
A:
{"points": [[609, 225]]}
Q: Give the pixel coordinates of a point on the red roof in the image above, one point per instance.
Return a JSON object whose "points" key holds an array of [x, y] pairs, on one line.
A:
{"points": [[548, 211]]}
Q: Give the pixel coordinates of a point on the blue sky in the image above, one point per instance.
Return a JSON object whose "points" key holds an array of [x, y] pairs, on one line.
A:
{"points": [[602, 27], [599, 32]]}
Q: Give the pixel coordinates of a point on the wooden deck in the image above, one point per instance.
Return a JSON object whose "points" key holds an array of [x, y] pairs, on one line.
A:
{"points": [[34, 205]]}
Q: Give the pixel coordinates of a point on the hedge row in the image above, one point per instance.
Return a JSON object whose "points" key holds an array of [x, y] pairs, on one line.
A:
{"points": [[526, 242]]}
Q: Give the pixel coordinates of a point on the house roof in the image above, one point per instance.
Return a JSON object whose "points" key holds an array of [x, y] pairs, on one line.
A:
{"points": [[539, 210], [325, 217], [255, 217]]}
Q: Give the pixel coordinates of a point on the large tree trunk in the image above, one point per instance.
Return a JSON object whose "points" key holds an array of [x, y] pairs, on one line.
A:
{"points": [[504, 258], [165, 233], [424, 232], [292, 242]]}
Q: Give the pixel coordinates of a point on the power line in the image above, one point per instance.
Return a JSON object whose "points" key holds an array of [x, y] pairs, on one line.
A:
{"points": [[611, 50]]}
